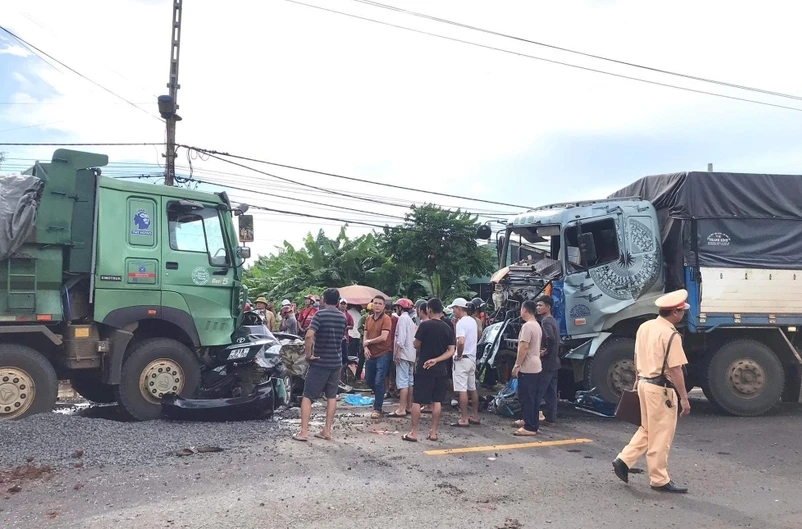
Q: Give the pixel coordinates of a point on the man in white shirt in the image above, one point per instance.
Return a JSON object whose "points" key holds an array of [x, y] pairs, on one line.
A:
{"points": [[465, 363], [404, 355]]}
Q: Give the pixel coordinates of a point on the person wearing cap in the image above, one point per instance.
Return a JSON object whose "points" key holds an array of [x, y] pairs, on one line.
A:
{"points": [[308, 312], [479, 314], [659, 358], [267, 316], [289, 323], [404, 356], [464, 368]]}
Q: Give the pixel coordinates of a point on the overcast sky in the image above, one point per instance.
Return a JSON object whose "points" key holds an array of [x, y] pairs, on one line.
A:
{"points": [[274, 80]]}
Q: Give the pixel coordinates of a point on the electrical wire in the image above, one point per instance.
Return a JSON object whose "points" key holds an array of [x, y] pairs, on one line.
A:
{"points": [[353, 179], [578, 52], [550, 61], [76, 72], [17, 144]]}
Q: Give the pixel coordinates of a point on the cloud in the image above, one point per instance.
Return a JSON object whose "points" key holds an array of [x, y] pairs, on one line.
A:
{"points": [[17, 51]]}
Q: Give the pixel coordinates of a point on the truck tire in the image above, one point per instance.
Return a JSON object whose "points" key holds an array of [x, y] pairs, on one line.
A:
{"points": [[28, 383], [155, 367], [91, 388], [612, 369], [745, 378]]}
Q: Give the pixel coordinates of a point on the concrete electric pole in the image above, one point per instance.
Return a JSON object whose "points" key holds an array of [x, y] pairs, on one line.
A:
{"points": [[169, 104]]}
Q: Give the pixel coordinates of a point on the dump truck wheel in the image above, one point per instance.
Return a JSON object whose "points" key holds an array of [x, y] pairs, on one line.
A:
{"points": [[154, 368], [91, 388], [745, 378], [28, 383], [612, 369]]}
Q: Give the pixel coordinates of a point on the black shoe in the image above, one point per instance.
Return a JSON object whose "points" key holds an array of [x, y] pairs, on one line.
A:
{"points": [[621, 470], [671, 487]]}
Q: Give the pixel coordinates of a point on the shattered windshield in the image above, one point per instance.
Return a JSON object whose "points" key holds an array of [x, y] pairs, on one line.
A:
{"points": [[536, 246]]}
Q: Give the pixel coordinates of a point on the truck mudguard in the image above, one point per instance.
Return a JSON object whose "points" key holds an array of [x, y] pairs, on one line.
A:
{"points": [[125, 316]]}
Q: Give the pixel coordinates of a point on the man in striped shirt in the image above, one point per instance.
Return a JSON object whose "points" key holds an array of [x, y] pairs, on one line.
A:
{"points": [[324, 355]]}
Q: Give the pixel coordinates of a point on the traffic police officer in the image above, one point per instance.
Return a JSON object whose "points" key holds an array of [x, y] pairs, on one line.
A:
{"points": [[659, 374]]}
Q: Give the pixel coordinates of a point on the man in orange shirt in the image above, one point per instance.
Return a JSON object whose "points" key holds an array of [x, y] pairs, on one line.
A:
{"points": [[378, 347]]}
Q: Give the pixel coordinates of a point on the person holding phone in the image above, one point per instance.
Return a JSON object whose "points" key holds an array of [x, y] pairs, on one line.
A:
{"points": [[323, 348]]}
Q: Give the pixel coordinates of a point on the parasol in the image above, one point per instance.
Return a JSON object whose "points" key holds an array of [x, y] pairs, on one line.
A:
{"points": [[360, 294]]}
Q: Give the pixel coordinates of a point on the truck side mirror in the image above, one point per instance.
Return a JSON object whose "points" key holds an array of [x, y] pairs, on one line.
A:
{"points": [[499, 245], [243, 252], [245, 226], [484, 232], [587, 249]]}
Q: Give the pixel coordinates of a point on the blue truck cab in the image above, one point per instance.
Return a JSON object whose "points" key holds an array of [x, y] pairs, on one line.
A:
{"points": [[736, 249]]}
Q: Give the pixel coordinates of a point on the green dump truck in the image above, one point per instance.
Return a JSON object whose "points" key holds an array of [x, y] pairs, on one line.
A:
{"points": [[121, 287]]}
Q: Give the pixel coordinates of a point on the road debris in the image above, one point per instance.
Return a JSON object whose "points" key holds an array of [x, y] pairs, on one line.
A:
{"points": [[199, 450]]}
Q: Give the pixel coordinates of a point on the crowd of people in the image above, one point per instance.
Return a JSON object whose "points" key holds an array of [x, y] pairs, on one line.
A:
{"points": [[418, 352]]}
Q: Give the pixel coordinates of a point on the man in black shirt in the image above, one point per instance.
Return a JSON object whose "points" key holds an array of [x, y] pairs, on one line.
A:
{"points": [[435, 342], [324, 355], [550, 356]]}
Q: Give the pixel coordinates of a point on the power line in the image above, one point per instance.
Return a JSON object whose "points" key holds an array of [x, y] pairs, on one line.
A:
{"points": [[582, 53], [550, 61], [353, 179], [329, 191], [76, 72], [146, 144], [273, 195]]}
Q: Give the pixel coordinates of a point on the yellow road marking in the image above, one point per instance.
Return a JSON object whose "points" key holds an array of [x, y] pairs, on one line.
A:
{"points": [[490, 448]]}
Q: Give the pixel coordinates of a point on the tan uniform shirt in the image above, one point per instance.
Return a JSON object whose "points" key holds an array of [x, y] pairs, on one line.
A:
{"points": [[531, 333], [650, 348]]}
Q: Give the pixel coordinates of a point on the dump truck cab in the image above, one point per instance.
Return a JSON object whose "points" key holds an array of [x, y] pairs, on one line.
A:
{"points": [[120, 286]]}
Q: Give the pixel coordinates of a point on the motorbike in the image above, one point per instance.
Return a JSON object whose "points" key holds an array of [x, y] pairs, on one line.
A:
{"points": [[247, 379]]}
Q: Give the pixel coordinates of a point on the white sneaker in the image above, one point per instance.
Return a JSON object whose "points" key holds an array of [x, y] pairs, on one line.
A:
{"points": [[542, 417]]}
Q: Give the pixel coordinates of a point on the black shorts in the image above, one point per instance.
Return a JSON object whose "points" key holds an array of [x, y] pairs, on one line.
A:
{"points": [[345, 352], [429, 390], [322, 380]]}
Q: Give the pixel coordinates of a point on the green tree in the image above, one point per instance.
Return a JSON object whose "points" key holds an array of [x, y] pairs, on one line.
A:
{"points": [[441, 246]]}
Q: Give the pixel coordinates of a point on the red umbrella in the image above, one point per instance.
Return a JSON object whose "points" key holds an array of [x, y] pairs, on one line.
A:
{"points": [[360, 294]]}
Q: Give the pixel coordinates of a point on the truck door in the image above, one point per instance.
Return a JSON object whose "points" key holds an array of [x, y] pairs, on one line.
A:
{"points": [[198, 272], [599, 286]]}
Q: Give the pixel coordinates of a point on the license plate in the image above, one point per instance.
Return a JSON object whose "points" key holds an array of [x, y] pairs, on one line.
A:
{"points": [[239, 353]]}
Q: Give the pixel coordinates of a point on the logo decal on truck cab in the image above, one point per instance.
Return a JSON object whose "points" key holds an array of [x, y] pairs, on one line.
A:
{"points": [[142, 224], [200, 276]]}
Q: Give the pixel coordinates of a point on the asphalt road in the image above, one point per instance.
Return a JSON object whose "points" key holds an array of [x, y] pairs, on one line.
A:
{"points": [[741, 472]]}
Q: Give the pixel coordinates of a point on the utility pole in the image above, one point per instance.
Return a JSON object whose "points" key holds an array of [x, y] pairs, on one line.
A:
{"points": [[169, 104]]}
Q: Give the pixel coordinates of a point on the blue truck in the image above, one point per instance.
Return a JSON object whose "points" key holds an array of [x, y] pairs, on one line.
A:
{"points": [[733, 240]]}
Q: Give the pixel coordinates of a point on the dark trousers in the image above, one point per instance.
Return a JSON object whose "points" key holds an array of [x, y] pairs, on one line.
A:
{"points": [[530, 394], [355, 349], [376, 370], [550, 383]]}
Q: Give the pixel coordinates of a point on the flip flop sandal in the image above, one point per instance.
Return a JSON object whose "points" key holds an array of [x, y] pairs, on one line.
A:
{"points": [[406, 437], [376, 415], [430, 438], [460, 425], [300, 439], [472, 421], [518, 424], [529, 434], [321, 436], [395, 415]]}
